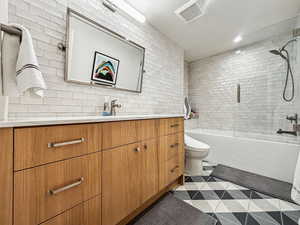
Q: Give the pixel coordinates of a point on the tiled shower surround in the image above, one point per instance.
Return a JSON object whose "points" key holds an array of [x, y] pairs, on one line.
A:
{"points": [[46, 19], [262, 111]]}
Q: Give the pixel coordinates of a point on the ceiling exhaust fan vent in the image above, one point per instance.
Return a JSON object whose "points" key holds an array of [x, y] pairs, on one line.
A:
{"points": [[191, 10]]}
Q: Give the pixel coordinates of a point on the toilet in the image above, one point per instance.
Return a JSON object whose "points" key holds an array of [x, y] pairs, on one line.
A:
{"points": [[195, 152]]}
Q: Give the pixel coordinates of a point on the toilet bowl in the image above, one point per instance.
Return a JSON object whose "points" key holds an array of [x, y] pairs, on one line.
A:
{"points": [[195, 152]]}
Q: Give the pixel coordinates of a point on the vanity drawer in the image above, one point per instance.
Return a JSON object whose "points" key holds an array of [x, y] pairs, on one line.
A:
{"points": [[170, 146], [169, 171], [147, 129], [86, 213], [46, 191], [172, 170], [170, 126], [115, 134], [40, 145]]}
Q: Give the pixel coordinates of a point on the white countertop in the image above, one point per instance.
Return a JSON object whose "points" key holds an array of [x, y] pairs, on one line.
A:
{"points": [[28, 122]]}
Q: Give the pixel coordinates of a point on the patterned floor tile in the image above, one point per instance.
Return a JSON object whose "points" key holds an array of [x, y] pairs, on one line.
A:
{"points": [[185, 195], [291, 217], [257, 195], [256, 220], [267, 217], [236, 194], [227, 206], [205, 206], [287, 206], [232, 204], [231, 218], [191, 186], [196, 179], [262, 205], [214, 186], [209, 195]]}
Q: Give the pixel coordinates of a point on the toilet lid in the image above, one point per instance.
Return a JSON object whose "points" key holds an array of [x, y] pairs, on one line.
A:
{"points": [[194, 145]]}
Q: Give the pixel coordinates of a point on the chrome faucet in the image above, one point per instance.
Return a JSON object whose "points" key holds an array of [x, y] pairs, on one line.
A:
{"points": [[294, 120], [113, 107]]}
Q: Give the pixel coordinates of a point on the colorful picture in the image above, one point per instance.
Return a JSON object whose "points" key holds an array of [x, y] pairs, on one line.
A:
{"points": [[105, 69]]}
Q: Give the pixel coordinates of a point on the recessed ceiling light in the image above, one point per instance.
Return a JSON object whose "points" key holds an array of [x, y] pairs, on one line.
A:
{"points": [[124, 6], [238, 39], [238, 52]]}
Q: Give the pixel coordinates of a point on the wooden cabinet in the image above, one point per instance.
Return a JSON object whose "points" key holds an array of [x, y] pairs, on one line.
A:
{"points": [[130, 175], [121, 178], [171, 158], [119, 133], [87, 174], [86, 213], [149, 178], [170, 126], [147, 129], [40, 145], [6, 176], [44, 192]]}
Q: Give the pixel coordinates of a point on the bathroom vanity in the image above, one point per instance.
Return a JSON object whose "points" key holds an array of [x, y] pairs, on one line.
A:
{"points": [[101, 170]]}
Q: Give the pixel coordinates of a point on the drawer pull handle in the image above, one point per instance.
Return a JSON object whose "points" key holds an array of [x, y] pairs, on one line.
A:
{"points": [[137, 149], [61, 144], [145, 147], [173, 170], [174, 145], [67, 187], [174, 125]]}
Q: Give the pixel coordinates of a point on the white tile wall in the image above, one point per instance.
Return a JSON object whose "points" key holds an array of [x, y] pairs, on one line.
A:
{"points": [[163, 88], [212, 90]]}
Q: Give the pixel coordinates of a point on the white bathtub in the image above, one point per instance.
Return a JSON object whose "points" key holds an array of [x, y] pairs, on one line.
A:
{"points": [[272, 159]]}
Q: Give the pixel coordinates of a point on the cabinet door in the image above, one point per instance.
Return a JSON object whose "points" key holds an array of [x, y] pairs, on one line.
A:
{"points": [[149, 169], [122, 187]]}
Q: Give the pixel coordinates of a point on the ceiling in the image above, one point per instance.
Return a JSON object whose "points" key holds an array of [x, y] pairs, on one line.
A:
{"points": [[224, 20]]}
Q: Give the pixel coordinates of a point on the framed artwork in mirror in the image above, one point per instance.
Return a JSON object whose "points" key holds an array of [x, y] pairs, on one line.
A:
{"points": [[105, 69]]}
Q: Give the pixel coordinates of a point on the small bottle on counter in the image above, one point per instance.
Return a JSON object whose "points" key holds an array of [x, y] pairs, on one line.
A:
{"points": [[106, 107]]}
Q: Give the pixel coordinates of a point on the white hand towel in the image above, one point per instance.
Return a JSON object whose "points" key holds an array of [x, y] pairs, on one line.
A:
{"points": [[10, 52], [296, 185], [28, 74]]}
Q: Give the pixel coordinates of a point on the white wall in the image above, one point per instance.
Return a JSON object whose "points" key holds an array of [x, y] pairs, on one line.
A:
{"points": [[46, 19], [3, 11]]}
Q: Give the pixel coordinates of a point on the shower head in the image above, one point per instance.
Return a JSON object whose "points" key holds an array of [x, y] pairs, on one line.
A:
{"points": [[277, 52]]}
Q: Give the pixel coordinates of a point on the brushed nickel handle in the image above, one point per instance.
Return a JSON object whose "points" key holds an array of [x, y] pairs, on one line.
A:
{"points": [[238, 93], [173, 170], [67, 187], [61, 144], [174, 125], [174, 145], [137, 149]]}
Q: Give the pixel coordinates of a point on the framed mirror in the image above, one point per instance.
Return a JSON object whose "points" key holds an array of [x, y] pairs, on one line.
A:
{"points": [[99, 56]]}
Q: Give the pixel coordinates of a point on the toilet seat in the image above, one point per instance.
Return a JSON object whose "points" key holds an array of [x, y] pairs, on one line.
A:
{"points": [[192, 144]]}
